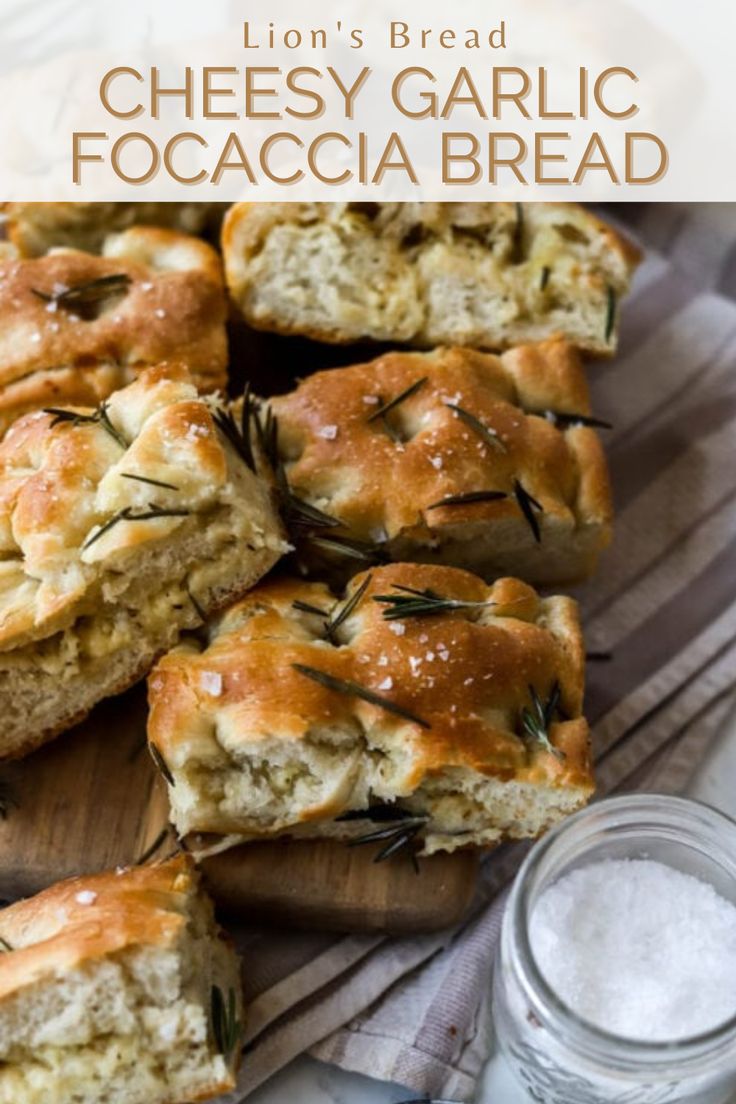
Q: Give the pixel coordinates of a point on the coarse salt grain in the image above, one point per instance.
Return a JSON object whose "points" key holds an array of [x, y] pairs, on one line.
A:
{"points": [[386, 684], [638, 948], [328, 432], [211, 683], [398, 628], [85, 897]]}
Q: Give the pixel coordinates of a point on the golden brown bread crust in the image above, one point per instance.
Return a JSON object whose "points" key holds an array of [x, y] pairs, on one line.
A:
{"points": [[83, 921], [487, 275], [466, 673], [116, 531], [384, 491], [173, 308], [34, 228], [56, 931]]}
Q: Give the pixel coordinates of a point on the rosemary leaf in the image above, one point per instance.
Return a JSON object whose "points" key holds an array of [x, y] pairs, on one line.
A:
{"points": [[5, 947], [128, 514], [345, 546], [354, 689], [154, 847], [239, 440], [420, 603], [226, 1028], [152, 482], [468, 498], [83, 297], [528, 505], [536, 721], [161, 763], [484, 432], [301, 514], [98, 417], [610, 312], [305, 607], [339, 618], [564, 420], [378, 813], [544, 278], [386, 407], [198, 608]]}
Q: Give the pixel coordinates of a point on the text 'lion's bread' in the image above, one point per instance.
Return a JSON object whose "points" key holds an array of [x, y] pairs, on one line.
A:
{"points": [[119, 527], [34, 228], [74, 327], [454, 456], [489, 275], [423, 697], [118, 987]]}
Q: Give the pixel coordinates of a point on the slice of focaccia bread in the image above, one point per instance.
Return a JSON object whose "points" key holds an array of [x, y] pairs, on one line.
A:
{"points": [[119, 527], [34, 228], [453, 456], [489, 275], [118, 989], [74, 327], [425, 700]]}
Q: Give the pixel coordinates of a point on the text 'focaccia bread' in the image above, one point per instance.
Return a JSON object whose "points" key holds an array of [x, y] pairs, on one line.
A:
{"points": [[470, 459], [34, 228], [424, 698], [118, 989], [488, 275], [74, 327], [119, 527]]}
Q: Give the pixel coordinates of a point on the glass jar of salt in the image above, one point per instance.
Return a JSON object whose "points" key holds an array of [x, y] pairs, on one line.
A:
{"points": [[615, 980]]}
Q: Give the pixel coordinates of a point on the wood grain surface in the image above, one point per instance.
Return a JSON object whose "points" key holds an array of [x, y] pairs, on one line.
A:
{"points": [[92, 800]]}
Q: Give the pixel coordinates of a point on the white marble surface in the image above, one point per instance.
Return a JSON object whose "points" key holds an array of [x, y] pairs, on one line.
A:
{"points": [[311, 1082]]}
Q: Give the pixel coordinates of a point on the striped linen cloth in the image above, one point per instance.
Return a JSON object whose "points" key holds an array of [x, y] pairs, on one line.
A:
{"points": [[663, 604]]}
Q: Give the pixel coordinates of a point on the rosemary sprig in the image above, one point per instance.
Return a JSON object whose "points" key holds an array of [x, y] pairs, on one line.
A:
{"points": [[161, 763], [84, 297], [354, 689], [128, 514], [152, 482], [268, 434], [528, 505], [338, 618], [544, 277], [301, 514], [564, 420], [226, 1028], [537, 720], [5, 947], [610, 312], [400, 829], [154, 847], [468, 498], [420, 603], [98, 417], [386, 407], [484, 432], [238, 437]]}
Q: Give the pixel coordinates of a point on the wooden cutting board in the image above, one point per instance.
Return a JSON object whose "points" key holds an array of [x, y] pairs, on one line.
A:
{"points": [[92, 800]]}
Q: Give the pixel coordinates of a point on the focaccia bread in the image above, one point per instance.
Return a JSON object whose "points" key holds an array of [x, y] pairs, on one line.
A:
{"points": [[488, 275], [34, 228], [119, 527], [118, 989], [482, 462], [75, 327], [473, 732]]}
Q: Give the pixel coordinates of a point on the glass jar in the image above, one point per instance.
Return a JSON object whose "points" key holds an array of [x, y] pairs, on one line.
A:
{"points": [[562, 1059]]}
